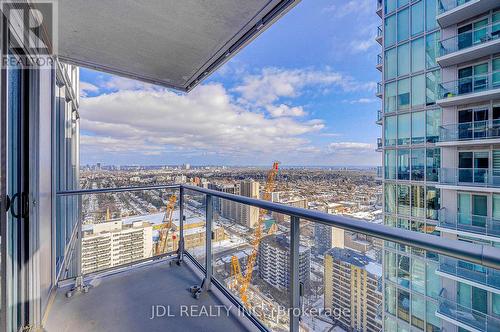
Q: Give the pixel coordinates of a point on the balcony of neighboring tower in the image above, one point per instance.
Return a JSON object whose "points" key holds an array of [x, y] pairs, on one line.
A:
{"points": [[455, 11]]}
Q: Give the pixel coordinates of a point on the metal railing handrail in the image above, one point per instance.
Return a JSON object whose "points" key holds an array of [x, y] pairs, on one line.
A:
{"points": [[489, 25], [447, 5], [471, 77], [80, 192], [475, 253]]}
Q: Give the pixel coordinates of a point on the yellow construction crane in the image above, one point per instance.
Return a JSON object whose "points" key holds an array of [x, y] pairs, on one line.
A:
{"points": [[166, 225], [239, 281]]}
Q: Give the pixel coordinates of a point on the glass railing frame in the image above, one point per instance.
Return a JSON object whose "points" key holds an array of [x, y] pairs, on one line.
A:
{"points": [[450, 89], [450, 4], [454, 40], [474, 253], [478, 130], [453, 223], [486, 319], [479, 177], [451, 266]]}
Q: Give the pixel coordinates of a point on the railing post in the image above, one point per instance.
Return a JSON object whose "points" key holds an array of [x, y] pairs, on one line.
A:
{"points": [[79, 285], [208, 242], [180, 250], [294, 312]]}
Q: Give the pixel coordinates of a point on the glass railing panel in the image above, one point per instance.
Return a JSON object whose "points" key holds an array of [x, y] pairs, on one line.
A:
{"points": [[477, 130], [468, 85], [120, 228], [470, 272], [343, 279], [465, 314], [476, 224], [483, 177], [446, 5], [469, 39], [253, 266], [195, 214]]}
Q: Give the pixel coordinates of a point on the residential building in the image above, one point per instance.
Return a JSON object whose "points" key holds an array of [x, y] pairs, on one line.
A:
{"points": [[274, 261], [113, 243], [242, 214], [327, 237], [296, 201], [352, 283], [440, 108]]}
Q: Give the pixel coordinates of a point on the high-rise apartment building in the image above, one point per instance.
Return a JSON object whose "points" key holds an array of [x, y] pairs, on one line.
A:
{"points": [[243, 214], [274, 261], [353, 284], [440, 92]]}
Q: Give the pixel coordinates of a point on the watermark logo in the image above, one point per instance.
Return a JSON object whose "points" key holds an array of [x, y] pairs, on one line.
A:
{"points": [[32, 32], [275, 313]]}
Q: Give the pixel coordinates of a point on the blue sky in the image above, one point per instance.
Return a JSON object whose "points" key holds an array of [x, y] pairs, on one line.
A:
{"points": [[303, 93]]}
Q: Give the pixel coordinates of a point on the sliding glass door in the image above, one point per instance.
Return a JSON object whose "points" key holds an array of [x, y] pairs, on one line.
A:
{"points": [[472, 209], [14, 156]]}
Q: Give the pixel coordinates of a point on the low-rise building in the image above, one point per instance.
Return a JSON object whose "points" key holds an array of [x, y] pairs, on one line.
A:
{"points": [[113, 243]]}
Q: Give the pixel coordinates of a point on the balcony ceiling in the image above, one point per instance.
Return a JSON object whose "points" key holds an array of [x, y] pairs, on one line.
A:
{"points": [[465, 11], [167, 42]]}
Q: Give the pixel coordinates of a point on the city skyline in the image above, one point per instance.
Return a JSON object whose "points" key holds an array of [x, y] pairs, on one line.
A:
{"points": [[301, 103]]}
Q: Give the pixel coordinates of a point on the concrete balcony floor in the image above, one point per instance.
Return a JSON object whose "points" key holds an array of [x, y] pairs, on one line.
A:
{"points": [[123, 302]]}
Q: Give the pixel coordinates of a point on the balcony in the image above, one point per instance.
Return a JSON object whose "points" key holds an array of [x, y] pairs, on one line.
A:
{"points": [[380, 117], [471, 274], [483, 227], [380, 62], [380, 35], [379, 90], [472, 178], [470, 90], [479, 132], [122, 297], [470, 45], [379, 144], [379, 8], [455, 11], [466, 317]]}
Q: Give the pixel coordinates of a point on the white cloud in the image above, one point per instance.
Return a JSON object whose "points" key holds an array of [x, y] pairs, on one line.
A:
{"points": [[205, 121], [350, 146], [274, 83], [362, 101], [362, 45], [86, 87], [350, 8], [285, 110], [330, 134]]}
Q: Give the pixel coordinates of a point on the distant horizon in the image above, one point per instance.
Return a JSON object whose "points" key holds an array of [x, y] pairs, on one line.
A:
{"points": [[223, 165]]}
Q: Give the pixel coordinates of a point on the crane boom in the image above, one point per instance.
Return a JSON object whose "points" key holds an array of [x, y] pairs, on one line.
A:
{"points": [[166, 225], [238, 279]]}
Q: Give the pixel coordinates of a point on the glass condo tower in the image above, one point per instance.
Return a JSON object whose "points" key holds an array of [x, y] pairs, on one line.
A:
{"points": [[440, 145]]}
